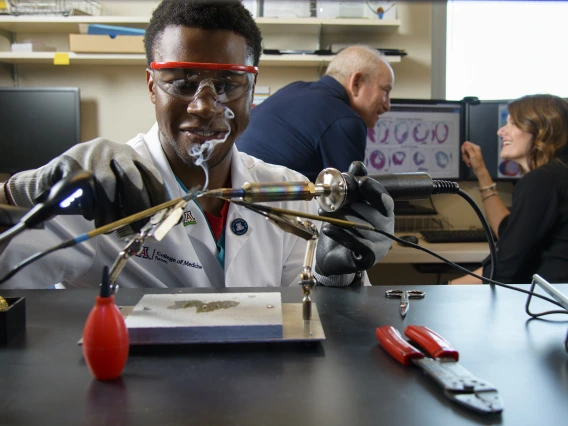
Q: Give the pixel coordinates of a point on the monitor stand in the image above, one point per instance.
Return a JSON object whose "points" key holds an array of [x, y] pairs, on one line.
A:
{"points": [[404, 208]]}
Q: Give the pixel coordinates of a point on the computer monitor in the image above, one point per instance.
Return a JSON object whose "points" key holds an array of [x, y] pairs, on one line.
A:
{"points": [[483, 119], [37, 124], [417, 135]]}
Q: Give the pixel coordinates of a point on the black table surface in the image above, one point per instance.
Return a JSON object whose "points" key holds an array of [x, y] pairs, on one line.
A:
{"points": [[348, 379]]}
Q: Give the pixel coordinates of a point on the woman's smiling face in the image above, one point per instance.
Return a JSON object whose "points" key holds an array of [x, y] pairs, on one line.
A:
{"points": [[517, 144]]}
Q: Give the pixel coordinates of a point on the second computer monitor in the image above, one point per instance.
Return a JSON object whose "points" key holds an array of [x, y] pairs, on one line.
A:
{"points": [[37, 124], [417, 136], [483, 119]]}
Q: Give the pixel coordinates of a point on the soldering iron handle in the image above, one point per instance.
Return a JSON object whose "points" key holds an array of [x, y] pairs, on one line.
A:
{"points": [[400, 186], [406, 186]]}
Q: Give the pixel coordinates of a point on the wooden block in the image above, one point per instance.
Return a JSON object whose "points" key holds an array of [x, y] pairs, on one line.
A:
{"points": [[205, 317]]}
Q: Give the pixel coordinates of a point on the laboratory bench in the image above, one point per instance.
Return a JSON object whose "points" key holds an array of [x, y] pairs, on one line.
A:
{"points": [[346, 379]]}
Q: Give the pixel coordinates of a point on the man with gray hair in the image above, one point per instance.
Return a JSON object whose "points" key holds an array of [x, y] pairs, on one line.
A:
{"points": [[308, 126]]}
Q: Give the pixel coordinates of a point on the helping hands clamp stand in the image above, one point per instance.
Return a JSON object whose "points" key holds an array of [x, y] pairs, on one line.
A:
{"points": [[307, 279], [157, 227], [164, 220], [308, 231], [304, 229]]}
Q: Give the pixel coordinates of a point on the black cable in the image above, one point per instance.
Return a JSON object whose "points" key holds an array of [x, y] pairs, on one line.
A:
{"points": [[37, 256], [488, 234], [261, 209], [84, 237], [448, 187], [257, 209], [467, 271], [12, 232], [432, 204], [527, 304], [69, 243]]}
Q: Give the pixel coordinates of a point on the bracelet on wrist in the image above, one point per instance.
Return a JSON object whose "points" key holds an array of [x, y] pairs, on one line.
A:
{"points": [[491, 194], [488, 187]]}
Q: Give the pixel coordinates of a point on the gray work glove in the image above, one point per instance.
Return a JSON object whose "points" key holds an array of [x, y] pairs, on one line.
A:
{"points": [[125, 183], [341, 253]]}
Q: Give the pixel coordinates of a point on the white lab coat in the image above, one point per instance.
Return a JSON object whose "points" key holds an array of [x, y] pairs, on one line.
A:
{"points": [[262, 256]]}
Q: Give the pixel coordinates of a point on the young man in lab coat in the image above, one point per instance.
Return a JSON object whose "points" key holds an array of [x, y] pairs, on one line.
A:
{"points": [[202, 59]]}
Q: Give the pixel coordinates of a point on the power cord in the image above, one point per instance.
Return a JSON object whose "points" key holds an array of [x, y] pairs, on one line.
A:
{"points": [[259, 207], [432, 204], [37, 256], [448, 187], [121, 223], [441, 187]]}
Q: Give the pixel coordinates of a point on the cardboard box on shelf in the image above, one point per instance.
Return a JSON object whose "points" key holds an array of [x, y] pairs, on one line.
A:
{"points": [[84, 43]]}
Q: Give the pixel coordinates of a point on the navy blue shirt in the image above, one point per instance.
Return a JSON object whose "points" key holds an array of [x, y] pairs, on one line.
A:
{"points": [[306, 127]]}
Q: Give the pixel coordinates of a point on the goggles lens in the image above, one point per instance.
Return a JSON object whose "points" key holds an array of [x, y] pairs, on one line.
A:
{"points": [[183, 79]]}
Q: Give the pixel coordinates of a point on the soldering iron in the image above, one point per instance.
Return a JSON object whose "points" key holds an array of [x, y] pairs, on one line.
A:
{"points": [[333, 189]]}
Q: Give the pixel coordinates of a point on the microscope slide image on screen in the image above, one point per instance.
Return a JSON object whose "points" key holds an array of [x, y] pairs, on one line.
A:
{"points": [[505, 168], [426, 140]]}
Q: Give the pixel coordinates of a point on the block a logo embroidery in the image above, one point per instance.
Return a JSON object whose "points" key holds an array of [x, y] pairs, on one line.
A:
{"points": [[145, 253], [188, 218]]}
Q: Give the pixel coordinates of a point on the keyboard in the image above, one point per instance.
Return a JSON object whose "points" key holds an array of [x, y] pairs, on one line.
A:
{"points": [[454, 235]]}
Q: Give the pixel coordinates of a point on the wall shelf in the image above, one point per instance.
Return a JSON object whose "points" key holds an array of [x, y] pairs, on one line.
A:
{"points": [[60, 24], [305, 60], [46, 58], [276, 27], [71, 24]]}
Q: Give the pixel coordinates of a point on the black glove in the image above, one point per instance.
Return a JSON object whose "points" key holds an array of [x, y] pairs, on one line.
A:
{"points": [[341, 252], [125, 183]]}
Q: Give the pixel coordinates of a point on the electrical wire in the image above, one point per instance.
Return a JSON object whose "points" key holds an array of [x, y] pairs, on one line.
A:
{"points": [[262, 209], [348, 224], [194, 192], [12, 232], [37, 256], [467, 271], [488, 234], [432, 204]]}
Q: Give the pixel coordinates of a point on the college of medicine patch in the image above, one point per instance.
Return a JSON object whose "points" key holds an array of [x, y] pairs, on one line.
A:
{"points": [[239, 226], [188, 218]]}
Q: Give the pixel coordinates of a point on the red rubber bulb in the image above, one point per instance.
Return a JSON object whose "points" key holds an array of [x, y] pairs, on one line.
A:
{"points": [[105, 340]]}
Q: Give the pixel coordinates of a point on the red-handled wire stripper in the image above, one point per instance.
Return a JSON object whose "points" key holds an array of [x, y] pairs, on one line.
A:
{"points": [[459, 384]]}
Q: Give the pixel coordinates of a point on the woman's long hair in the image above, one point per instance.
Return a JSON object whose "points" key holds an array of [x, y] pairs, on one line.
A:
{"points": [[546, 118]]}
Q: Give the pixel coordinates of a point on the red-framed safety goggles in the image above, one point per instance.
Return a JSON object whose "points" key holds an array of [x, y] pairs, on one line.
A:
{"points": [[182, 79]]}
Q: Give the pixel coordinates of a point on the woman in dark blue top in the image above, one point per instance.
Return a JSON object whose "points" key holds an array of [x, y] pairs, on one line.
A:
{"points": [[533, 235]]}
